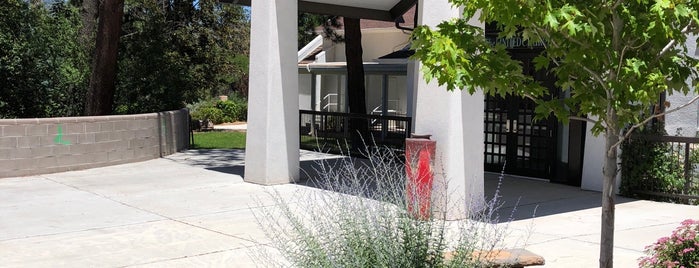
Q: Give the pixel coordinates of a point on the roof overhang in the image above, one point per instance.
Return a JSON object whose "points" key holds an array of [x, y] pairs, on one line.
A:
{"points": [[384, 10]]}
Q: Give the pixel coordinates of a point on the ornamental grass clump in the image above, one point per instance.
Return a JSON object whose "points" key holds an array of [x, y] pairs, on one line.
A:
{"points": [[681, 249], [354, 213]]}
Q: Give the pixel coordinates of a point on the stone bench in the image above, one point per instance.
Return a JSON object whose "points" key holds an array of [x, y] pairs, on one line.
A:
{"points": [[515, 258]]}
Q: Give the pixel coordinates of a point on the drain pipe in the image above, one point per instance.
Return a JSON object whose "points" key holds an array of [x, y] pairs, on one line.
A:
{"points": [[400, 20]]}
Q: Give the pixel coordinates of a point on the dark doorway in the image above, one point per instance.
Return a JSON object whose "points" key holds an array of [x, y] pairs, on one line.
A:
{"points": [[513, 139], [543, 149]]}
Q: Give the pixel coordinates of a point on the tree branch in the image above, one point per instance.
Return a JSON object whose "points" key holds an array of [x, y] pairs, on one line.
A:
{"points": [[634, 127], [596, 76], [584, 119], [621, 61], [672, 42], [617, 3]]}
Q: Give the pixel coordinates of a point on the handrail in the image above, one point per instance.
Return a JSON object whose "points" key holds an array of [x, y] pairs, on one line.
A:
{"points": [[329, 95], [328, 101], [363, 116], [667, 138]]}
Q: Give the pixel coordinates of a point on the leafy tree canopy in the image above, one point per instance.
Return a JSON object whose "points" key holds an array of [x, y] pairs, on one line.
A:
{"points": [[42, 66], [617, 55], [176, 52], [309, 25], [614, 59]]}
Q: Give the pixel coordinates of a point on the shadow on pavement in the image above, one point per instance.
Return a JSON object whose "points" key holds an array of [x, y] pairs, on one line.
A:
{"points": [[524, 198], [517, 197]]}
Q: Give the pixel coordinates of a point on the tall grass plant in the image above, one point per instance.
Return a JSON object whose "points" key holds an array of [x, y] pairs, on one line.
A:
{"points": [[354, 213]]}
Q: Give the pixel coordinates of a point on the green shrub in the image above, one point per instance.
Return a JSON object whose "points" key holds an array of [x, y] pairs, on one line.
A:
{"points": [[234, 109], [650, 166], [231, 110], [359, 218], [213, 114], [240, 111], [206, 110]]}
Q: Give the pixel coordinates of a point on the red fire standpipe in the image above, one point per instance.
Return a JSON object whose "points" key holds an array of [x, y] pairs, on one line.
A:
{"points": [[419, 160]]}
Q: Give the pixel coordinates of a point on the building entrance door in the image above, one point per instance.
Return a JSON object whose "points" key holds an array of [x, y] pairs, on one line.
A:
{"points": [[513, 139]]}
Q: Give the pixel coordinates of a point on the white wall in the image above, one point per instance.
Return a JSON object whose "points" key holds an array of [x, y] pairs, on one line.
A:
{"points": [[384, 41], [455, 119], [375, 43], [685, 118], [305, 92], [397, 93], [374, 85], [593, 161]]}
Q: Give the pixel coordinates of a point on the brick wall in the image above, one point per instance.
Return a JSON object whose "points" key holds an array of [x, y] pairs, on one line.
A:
{"points": [[47, 145]]}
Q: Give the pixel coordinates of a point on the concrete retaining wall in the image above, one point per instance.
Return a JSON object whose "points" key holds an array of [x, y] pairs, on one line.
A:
{"points": [[48, 145]]}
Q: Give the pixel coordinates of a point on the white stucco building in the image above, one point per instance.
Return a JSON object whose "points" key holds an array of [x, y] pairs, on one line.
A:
{"points": [[474, 133]]}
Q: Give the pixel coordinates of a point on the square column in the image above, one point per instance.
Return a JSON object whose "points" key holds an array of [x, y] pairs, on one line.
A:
{"points": [[455, 121], [272, 145]]}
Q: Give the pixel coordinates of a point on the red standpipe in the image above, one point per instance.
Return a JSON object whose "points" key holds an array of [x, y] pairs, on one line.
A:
{"points": [[419, 160]]}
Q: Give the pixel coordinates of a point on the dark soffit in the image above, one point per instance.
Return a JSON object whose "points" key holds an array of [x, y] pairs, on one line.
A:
{"points": [[396, 11]]}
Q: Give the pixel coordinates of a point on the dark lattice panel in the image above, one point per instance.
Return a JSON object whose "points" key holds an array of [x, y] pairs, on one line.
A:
{"points": [[534, 142], [495, 132]]}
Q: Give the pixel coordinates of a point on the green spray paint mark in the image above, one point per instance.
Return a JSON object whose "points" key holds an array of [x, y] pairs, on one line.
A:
{"points": [[59, 137]]}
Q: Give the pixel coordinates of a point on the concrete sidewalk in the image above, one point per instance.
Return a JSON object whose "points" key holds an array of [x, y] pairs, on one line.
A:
{"points": [[194, 210]]}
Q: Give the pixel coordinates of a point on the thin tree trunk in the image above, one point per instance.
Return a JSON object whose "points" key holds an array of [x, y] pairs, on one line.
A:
{"points": [[355, 80], [610, 171], [100, 94]]}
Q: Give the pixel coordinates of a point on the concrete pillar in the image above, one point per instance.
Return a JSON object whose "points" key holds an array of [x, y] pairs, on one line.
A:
{"points": [[272, 146], [455, 121]]}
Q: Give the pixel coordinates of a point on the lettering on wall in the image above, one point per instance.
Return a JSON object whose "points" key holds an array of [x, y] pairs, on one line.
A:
{"points": [[59, 136], [513, 42]]}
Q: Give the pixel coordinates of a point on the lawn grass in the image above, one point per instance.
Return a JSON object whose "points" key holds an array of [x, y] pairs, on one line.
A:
{"points": [[219, 140]]}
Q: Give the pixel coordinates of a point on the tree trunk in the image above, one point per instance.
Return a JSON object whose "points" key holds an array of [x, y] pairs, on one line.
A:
{"points": [[355, 66], [88, 14], [610, 171], [100, 94], [355, 80]]}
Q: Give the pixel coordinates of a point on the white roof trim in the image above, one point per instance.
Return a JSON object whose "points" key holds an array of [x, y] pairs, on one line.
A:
{"points": [[309, 48]]}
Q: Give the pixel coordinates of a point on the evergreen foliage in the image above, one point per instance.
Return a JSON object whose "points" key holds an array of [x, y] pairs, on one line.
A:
{"points": [[170, 53], [43, 69], [309, 24]]}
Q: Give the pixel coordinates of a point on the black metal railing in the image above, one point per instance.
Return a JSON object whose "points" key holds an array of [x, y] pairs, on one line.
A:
{"points": [[342, 132], [678, 180]]}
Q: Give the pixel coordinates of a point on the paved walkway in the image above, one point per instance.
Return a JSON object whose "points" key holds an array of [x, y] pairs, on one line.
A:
{"points": [[193, 209]]}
